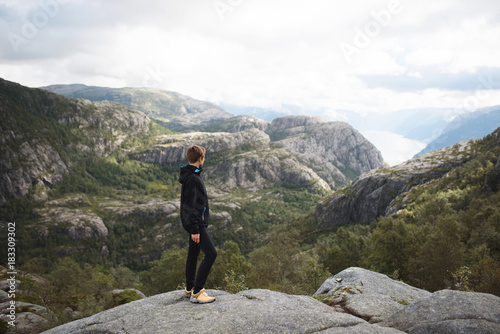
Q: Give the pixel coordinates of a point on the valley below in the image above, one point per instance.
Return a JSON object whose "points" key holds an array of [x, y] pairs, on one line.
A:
{"points": [[91, 180]]}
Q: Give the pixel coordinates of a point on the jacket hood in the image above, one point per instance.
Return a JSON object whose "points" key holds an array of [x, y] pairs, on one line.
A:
{"points": [[187, 171]]}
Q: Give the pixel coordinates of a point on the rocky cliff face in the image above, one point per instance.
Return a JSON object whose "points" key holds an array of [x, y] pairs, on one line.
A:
{"points": [[172, 149], [44, 134], [334, 149], [355, 301], [301, 150], [375, 193], [243, 159]]}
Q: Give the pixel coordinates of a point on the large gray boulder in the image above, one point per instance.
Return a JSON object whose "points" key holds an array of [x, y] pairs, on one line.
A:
{"points": [[29, 318], [250, 311], [361, 329], [449, 311], [367, 294]]}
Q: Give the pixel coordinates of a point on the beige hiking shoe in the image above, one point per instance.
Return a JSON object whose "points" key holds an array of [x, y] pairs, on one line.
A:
{"points": [[188, 293], [201, 298]]}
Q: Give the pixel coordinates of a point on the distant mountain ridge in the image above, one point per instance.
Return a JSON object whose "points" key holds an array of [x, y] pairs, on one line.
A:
{"points": [[319, 145], [174, 110], [474, 125], [421, 124], [297, 149]]}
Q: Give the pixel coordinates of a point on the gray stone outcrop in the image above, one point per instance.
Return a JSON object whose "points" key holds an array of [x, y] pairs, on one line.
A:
{"points": [[76, 223], [449, 311], [237, 124], [29, 318], [367, 294], [172, 149], [250, 311], [310, 154], [334, 142], [287, 122]]}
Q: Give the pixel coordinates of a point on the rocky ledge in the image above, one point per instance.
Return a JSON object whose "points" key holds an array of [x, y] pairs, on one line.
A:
{"points": [[250, 311], [353, 301]]}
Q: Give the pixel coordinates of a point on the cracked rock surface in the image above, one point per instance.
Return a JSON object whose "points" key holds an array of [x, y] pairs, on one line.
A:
{"points": [[367, 294]]}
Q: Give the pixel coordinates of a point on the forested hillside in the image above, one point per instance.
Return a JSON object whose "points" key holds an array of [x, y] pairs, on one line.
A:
{"points": [[443, 232]]}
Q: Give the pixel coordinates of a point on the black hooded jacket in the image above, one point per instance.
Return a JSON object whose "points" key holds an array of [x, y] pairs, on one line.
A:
{"points": [[194, 201]]}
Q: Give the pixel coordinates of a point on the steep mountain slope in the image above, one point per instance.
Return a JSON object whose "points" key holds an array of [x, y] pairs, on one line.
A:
{"points": [[174, 110], [469, 126], [384, 191], [371, 195], [44, 135], [306, 152]]}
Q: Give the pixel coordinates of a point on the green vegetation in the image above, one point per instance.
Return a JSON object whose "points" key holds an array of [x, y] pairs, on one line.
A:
{"points": [[115, 174]]}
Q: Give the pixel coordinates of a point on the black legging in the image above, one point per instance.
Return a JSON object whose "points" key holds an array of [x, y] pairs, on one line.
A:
{"points": [[207, 246]]}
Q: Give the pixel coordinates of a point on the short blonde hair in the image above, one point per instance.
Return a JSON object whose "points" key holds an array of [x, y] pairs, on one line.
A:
{"points": [[195, 152]]}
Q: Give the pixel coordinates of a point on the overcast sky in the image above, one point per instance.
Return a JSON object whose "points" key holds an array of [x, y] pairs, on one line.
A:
{"points": [[360, 55]]}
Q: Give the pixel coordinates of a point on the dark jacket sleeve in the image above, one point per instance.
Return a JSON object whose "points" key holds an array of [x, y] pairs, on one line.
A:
{"points": [[193, 216]]}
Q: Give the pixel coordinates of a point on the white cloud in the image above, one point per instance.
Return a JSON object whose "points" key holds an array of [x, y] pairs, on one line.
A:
{"points": [[261, 53]]}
